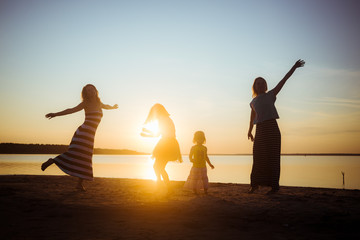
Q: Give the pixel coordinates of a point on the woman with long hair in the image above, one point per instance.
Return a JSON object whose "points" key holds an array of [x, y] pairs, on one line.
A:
{"points": [[167, 149], [267, 141], [77, 161]]}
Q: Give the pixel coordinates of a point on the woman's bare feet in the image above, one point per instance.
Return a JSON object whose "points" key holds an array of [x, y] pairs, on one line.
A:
{"points": [[272, 191], [253, 189], [80, 186]]}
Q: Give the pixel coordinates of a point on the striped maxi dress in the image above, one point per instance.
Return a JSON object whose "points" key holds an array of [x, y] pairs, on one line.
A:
{"points": [[77, 161], [266, 155]]}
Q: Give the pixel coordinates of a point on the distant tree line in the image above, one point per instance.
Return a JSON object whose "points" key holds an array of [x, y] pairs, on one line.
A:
{"points": [[18, 148]]}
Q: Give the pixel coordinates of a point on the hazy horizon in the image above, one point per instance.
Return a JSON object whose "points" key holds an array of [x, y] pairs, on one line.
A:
{"points": [[149, 153]]}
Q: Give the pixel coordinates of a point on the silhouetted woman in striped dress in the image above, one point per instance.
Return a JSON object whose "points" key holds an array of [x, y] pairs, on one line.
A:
{"points": [[267, 142], [77, 161]]}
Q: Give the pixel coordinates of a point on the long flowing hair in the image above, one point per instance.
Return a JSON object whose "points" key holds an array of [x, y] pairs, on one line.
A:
{"points": [[86, 98], [156, 111]]}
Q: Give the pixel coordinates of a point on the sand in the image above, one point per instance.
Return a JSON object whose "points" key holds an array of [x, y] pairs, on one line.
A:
{"points": [[49, 207]]}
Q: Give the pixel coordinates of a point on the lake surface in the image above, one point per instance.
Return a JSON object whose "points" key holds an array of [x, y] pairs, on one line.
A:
{"points": [[304, 171]]}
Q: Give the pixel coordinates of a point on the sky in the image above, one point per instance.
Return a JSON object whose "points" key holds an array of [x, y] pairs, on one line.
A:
{"points": [[197, 58]]}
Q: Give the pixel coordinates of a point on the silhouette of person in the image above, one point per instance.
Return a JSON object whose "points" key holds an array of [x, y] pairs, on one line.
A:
{"points": [[77, 161], [198, 178], [167, 149], [267, 141]]}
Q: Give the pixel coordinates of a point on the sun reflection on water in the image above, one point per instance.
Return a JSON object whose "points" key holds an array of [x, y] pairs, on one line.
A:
{"points": [[149, 171]]}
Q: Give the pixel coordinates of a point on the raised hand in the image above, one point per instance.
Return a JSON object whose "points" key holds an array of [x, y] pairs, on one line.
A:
{"points": [[50, 115], [299, 63], [146, 133]]}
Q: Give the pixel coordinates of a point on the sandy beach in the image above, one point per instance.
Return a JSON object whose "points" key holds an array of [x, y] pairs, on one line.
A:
{"points": [[49, 207]]}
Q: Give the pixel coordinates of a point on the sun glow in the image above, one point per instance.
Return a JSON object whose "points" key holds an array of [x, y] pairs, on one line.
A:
{"points": [[150, 132], [149, 172], [152, 128]]}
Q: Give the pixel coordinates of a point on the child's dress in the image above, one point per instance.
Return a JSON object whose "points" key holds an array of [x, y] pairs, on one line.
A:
{"points": [[198, 178]]}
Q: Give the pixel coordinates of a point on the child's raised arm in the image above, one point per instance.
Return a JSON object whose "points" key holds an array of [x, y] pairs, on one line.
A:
{"points": [[299, 63]]}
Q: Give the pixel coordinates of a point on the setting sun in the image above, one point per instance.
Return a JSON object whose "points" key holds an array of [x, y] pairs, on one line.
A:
{"points": [[152, 128]]}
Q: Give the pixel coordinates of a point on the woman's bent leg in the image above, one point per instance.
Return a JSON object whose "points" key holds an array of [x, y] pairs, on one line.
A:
{"points": [[159, 167]]}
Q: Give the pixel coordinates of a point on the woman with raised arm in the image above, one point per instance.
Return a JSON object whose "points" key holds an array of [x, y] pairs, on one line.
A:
{"points": [[77, 161], [167, 149], [267, 141]]}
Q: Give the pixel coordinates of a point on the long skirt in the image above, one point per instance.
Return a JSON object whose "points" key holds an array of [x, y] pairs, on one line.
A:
{"points": [[197, 179], [266, 155], [77, 161]]}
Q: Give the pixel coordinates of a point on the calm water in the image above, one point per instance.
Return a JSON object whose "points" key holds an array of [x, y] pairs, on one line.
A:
{"points": [[307, 171]]}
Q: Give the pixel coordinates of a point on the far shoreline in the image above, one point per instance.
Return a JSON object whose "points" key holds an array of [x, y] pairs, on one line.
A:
{"points": [[20, 148]]}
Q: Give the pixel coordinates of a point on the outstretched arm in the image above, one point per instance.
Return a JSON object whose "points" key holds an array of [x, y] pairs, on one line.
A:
{"points": [[251, 125], [147, 133], [66, 112], [299, 63], [106, 106]]}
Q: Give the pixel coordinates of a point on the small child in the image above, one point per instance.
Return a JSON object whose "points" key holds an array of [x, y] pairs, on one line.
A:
{"points": [[198, 156]]}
